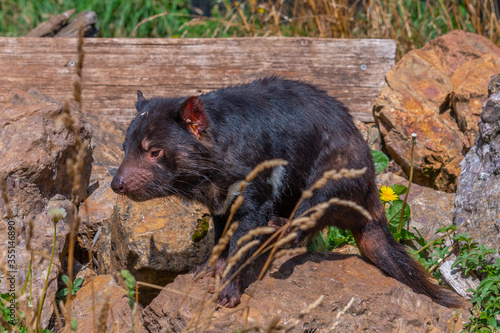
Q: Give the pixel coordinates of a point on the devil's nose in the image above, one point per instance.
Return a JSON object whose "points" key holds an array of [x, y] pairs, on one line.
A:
{"points": [[118, 185]]}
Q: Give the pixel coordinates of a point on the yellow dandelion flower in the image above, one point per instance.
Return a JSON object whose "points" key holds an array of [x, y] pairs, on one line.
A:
{"points": [[387, 194], [261, 10]]}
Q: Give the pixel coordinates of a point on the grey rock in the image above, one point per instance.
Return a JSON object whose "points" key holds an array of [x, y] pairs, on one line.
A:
{"points": [[477, 204]]}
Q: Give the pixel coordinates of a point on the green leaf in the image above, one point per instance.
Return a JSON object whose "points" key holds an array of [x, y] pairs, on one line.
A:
{"points": [[65, 279], [78, 283], [445, 229], [380, 159], [318, 243], [336, 237], [394, 210], [62, 293], [399, 189]]}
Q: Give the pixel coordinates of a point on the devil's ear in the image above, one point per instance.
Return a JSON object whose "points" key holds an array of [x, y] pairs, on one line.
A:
{"points": [[140, 96], [193, 115], [140, 100]]}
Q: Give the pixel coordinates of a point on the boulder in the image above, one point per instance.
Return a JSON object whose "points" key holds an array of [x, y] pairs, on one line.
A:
{"points": [[436, 92], [477, 204], [155, 239], [108, 137], [87, 307], [370, 133], [378, 303], [34, 153], [430, 209]]}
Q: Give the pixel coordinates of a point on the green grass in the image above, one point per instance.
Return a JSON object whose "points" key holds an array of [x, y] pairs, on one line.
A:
{"points": [[411, 22], [116, 18]]}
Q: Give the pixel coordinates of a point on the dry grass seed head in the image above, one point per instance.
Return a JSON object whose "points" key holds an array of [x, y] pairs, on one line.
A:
{"points": [[351, 204], [341, 313], [31, 227], [263, 166], [238, 255], [290, 252], [207, 312], [288, 238], [254, 233], [103, 314], [223, 242], [304, 313], [333, 175], [236, 204], [5, 197], [56, 312]]}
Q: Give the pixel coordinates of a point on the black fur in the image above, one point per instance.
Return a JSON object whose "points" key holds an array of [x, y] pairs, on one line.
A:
{"points": [[248, 124]]}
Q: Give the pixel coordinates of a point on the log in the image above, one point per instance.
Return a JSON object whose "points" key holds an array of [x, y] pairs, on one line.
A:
{"points": [[352, 70], [456, 280], [50, 27], [87, 19]]}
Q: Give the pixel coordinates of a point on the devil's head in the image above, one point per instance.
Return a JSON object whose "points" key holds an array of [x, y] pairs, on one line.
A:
{"points": [[165, 148]]}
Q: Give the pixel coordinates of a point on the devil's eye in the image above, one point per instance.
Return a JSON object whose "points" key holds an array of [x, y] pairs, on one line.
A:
{"points": [[155, 153]]}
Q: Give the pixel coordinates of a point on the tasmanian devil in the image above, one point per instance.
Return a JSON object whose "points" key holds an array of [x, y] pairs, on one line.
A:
{"points": [[199, 147]]}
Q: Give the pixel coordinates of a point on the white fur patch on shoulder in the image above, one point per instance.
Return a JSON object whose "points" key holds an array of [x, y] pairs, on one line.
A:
{"points": [[232, 192], [276, 180]]}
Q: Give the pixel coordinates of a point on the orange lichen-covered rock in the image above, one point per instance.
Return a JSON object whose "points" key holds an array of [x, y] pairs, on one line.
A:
{"points": [[437, 93]]}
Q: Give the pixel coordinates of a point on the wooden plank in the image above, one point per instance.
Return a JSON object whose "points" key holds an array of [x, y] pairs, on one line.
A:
{"points": [[352, 70], [455, 278]]}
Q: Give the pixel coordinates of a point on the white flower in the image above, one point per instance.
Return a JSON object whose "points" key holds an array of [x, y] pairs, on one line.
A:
{"points": [[56, 214]]}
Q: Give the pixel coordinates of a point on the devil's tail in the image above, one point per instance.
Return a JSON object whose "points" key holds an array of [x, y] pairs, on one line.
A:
{"points": [[377, 244]]}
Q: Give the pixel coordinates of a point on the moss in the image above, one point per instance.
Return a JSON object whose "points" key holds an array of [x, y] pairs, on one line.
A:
{"points": [[202, 226]]}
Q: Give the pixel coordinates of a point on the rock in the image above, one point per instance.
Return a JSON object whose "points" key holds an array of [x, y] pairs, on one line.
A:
{"points": [[380, 303], [477, 204], [470, 86], [370, 133], [43, 241], [34, 154], [152, 239], [347, 249], [430, 209], [108, 137], [437, 93], [89, 302]]}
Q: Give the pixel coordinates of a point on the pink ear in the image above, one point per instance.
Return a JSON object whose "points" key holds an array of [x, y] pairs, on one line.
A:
{"points": [[194, 116]]}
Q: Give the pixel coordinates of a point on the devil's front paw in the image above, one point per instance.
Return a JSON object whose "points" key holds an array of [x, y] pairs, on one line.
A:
{"points": [[230, 296], [204, 270]]}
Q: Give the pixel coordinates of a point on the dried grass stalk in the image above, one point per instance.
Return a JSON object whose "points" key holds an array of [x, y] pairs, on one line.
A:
{"points": [[221, 246], [254, 233], [103, 314], [238, 255]]}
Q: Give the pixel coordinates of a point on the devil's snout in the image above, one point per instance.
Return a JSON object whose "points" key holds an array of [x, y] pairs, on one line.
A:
{"points": [[118, 184]]}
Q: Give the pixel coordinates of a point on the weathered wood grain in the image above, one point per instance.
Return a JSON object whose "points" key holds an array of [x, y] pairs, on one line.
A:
{"points": [[456, 280], [114, 69]]}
